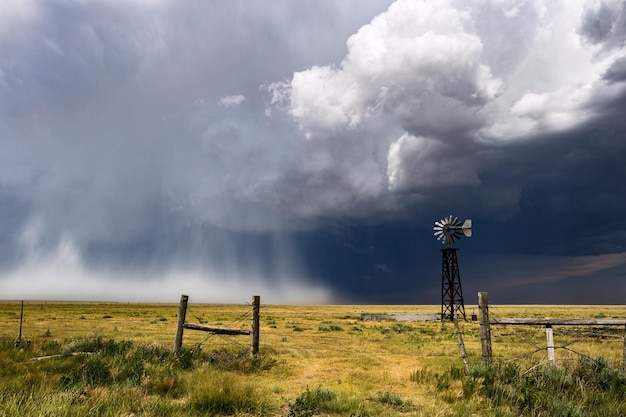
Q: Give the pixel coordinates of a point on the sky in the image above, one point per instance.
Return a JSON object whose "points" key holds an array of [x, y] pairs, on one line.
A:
{"points": [[302, 150]]}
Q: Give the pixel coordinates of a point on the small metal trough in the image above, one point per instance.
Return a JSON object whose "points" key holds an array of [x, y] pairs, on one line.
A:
{"points": [[401, 317]]}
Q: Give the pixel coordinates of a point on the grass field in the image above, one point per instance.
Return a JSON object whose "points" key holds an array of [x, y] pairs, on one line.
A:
{"points": [[115, 359]]}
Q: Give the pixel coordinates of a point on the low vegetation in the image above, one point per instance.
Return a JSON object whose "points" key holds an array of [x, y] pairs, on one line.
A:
{"points": [[117, 360]]}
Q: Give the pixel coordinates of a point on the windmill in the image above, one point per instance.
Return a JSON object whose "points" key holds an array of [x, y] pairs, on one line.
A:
{"points": [[448, 231]]}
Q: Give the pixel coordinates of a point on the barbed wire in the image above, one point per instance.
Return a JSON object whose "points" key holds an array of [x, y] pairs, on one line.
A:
{"points": [[198, 345], [518, 331]]}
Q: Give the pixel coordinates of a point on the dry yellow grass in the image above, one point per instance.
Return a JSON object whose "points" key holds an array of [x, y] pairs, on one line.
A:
{"points": [[328, 346]]}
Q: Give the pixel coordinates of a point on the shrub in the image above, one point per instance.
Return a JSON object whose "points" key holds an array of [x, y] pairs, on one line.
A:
{"points": [[389, 398], [96, 371], [401, 328], [310, 403]]}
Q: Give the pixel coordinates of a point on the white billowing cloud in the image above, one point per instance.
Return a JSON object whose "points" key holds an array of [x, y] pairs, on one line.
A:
{"points": [[451, 74], [416, 62], [232, 101]]}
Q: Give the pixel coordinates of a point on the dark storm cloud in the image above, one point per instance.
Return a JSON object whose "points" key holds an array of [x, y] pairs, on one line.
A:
{"points": [[616, 72], [306, 147]]}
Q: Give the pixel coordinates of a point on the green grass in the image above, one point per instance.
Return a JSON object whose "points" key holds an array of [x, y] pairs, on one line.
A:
{"points": [[315, 360]]}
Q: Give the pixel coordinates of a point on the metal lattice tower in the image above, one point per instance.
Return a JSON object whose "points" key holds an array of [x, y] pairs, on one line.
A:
{"points": [[448, 230], [451, 292]]}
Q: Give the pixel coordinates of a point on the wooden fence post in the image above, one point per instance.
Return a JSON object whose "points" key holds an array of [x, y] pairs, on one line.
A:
{"points": [[182, 313], [624, 355], [485, 330], [254, 335], [19, 337], [550, 342]]}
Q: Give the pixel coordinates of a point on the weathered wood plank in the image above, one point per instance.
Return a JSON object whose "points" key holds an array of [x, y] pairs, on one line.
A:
{"points": [[216, 330], [559, 321]]}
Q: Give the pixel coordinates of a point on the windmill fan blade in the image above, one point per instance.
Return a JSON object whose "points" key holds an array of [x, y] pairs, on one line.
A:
{"points": [[450, 229]]}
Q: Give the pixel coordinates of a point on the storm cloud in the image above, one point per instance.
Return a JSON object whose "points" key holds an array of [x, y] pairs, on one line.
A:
{"points": [[303, 150]]}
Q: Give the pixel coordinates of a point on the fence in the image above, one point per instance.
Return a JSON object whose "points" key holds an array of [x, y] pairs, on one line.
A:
{"points": [[486, 322], [254, 332]]}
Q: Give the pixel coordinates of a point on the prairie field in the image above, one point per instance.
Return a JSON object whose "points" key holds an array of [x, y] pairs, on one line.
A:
{"points": [[117, 359]]}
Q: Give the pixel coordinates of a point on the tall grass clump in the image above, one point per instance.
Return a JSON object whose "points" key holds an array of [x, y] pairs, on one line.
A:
{"points": [[101, 362], [215, 393], [311, 403], [588, 388], [105, 377]]}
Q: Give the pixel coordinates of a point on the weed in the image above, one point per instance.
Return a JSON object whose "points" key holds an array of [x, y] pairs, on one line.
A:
{"points": [[96, 371], [442, 381], [310, 403], [389, 398], [331, 328], [168, 386], [421, 376], [401, 328], [241, 361]]}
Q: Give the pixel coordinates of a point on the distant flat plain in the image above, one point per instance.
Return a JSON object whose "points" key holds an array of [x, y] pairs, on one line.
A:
{"points": [[328, 345]]}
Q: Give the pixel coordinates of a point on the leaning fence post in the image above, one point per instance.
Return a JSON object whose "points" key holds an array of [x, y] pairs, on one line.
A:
{"points": [[254, 335], [182, 313], [485, 330], [461, 344]]}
